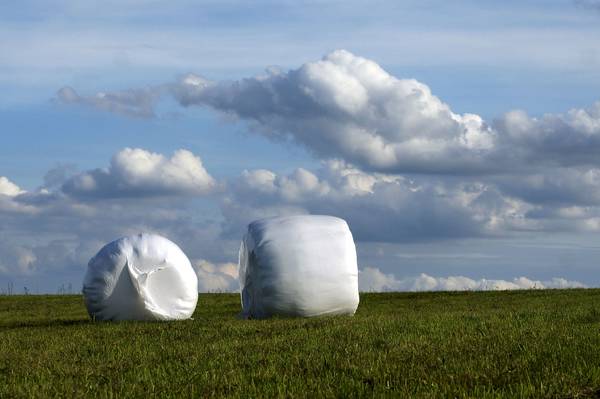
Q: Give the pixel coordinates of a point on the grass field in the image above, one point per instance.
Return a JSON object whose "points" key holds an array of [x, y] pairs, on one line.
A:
{"points": [[541, 343]]}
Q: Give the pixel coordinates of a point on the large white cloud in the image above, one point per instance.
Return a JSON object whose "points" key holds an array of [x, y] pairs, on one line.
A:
{"points": [[137, 172], [347, 107]]}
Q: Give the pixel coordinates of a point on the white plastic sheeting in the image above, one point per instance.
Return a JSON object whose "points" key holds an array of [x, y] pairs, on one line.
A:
{"points": [[141, 277], [298, 266]]}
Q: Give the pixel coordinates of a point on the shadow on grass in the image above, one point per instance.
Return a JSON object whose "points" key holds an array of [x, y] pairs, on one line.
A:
{"points": [[43, 324], [590, 316]]}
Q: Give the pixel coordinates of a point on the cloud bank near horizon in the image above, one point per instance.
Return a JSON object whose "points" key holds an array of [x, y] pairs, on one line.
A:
{"points": [[374, 280], [75, 213], [223, 277]]}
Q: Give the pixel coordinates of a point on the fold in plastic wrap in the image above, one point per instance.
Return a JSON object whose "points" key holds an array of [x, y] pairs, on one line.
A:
{"points": [[142, 277], [298, 266]]}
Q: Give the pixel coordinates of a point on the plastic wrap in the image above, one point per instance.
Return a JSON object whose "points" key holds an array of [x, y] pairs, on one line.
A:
{"points": [[141, 277], [298, 266]]}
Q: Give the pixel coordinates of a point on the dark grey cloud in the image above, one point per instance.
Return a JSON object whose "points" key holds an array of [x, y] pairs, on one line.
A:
{"points": [[565, 140], [392, 208], [377, 207], [555, 187], [57, 176]]}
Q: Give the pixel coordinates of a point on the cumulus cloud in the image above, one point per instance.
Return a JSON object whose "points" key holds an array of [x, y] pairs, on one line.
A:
{"points": [[373, 279], [394, 208], [571, 139], [347, 107], [559, 199], [137, 172], [378, 207]]}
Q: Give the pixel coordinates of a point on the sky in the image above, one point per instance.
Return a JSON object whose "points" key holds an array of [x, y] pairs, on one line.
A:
{"points": [[459, 140]]}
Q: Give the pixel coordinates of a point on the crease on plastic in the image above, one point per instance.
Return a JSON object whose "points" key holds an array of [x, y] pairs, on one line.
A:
{"points": [[140, 283], [243, 278]]}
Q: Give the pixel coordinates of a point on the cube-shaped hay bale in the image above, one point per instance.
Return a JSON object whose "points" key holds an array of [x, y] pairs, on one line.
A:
{"points": [[298, 266]]}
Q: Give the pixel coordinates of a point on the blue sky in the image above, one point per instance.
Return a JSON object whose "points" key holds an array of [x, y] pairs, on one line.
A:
{"points": [[516, 195]]}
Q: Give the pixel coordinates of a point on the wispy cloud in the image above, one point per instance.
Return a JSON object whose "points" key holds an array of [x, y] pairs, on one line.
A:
{"points": [[136, 103]]}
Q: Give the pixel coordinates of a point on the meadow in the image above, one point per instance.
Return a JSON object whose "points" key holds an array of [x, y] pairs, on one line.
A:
{"points": [[539, 343]]}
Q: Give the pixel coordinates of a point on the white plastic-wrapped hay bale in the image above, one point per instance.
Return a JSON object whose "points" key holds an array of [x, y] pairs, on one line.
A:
{"points": [[298, 266], [140, 277]]}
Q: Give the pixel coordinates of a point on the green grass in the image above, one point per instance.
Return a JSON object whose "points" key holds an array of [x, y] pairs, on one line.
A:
{"points": [[472, 344]]}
